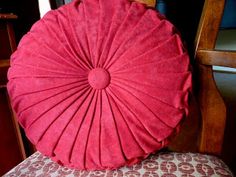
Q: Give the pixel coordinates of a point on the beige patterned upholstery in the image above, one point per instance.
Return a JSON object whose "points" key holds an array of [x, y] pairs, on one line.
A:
{"points": [[159, 165]]}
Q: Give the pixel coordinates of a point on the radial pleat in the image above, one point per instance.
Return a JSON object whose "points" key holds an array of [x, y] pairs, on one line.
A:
{"points": [[54, 128], [164, 66], [163, 107], [93, 159], [110, 21], [36, 103], [91, 32], [41, 109], [44, 88], [47, 58], [56, 50], [146, 141], [78, 33], [133, 37], [128, 24], [64, 149], [129, 144], [112, 144], [170, 81], [160, 130], [167, 48], [83, 133]]}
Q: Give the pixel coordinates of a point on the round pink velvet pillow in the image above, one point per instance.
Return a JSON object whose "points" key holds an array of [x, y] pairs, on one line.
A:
{"points": [[100, 84]]}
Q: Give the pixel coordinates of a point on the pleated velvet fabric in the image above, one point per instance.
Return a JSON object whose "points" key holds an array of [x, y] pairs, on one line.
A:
{"points": [[99, 84]]}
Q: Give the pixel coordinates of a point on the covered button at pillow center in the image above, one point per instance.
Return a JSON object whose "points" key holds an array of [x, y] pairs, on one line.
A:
{"points": [[99, 78]]}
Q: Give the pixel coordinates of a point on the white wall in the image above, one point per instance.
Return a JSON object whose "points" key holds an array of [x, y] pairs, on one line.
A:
{"points": [[44, 7]]}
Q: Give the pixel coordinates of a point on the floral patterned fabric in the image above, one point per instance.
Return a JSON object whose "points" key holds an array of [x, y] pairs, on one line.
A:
{"points": [[159, 165]]}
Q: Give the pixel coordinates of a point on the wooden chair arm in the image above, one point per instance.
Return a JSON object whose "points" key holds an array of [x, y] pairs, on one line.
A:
{"points": [[216, 57]]}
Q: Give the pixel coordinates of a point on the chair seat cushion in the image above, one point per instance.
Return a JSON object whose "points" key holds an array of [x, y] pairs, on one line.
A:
{"points": [[161, 164], [100, 84]]}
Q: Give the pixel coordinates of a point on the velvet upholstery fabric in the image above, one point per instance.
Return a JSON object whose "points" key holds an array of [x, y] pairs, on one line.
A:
{"points": [[100, 84]]}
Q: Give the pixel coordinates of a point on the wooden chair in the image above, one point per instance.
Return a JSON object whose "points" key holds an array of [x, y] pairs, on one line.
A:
{"points": [[211, 118]]}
